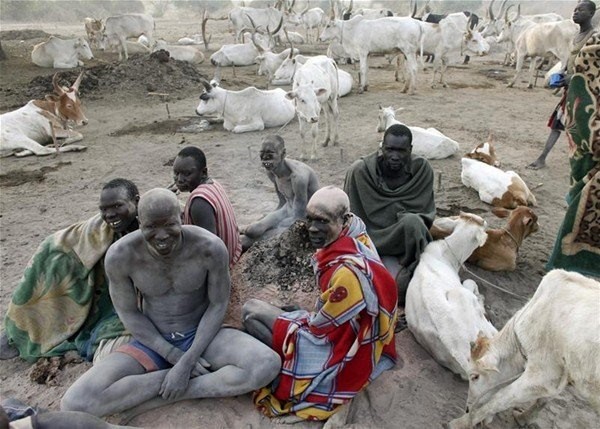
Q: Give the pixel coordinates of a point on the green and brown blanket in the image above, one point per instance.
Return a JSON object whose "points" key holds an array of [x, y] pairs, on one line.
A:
{"points": [[62, 302], [577, 246]]}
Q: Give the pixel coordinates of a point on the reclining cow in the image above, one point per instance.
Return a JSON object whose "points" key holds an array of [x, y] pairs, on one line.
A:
{"points": [[61, 53], [24, 131], [247, 110]]}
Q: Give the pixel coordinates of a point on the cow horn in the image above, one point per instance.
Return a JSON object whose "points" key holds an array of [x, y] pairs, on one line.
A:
{"points": [[77, 82], [204, 20], [256, 45], [490, 11], [414, 9], [278, 27], [350, 7], [290, 9], [502, 6], [506, 19], [332, 10], [518, 11], [206, 84], [290, 42], [251, 21], [57, 88], [305, 9]]}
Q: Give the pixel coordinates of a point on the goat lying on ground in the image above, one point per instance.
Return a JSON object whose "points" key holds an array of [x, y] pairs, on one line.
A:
{"points": [[499, 253], [485, 152], [554, 340], [496, 187], [444, 314]]}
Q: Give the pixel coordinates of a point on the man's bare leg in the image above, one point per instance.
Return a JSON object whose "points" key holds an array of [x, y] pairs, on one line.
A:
{"points": [[255, 231], [242, 365], [541, 161], [258, 317]]}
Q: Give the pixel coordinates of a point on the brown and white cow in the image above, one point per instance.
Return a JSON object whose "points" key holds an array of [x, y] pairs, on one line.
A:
{"points": [[24, 131], [93, 29]]}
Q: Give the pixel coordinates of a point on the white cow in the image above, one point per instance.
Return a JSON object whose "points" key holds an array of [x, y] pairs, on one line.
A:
{"points": [[250, 17], [542, 40], [117, 29], [247, 110], [428, 143], [496, 187], [269, 62], [452, 36], [444, 314], [285, 73], [367, 13], [195, 39], [61, 54], [309, 19], [552, 342], [316, 88], [237, 54], [360, 37], [189, 54], [24, 131]]}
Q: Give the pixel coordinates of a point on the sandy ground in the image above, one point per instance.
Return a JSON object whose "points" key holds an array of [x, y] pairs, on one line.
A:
{"points": [[130, 135]]}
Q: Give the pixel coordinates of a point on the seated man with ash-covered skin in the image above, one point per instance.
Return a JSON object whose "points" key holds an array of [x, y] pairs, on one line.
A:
{"points": [[295, 182], [180, 349], [332, 353]]}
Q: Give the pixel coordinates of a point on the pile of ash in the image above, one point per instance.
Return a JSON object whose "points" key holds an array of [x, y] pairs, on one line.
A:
{"points": [[284, 261], [140, 74]]}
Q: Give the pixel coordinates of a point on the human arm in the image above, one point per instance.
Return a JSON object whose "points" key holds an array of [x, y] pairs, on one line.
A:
{"points": [[203, 214], [118, 266], [217, 293]]}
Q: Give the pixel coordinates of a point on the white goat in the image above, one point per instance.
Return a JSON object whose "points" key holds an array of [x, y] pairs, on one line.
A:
{"points": [[428, 143], [443, 314]]}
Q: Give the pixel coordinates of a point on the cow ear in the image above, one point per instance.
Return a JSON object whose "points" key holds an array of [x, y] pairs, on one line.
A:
{"points": [[500, 212], [320, 91], [290, 95]]}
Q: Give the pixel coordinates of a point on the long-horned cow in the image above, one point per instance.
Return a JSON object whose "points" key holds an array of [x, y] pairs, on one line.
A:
{"points": [[60, 53], [316, 88], [542, 40], [360, 37], [250, 17], [24, 131], [552, 342], [247, 110], [309, 19], [117, 29]]}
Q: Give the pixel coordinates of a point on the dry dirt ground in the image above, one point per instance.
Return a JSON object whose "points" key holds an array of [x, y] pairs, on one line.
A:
{"points": [[135, 135]]}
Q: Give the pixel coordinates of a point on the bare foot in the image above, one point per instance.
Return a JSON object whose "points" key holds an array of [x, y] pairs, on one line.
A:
{"points": [[7, 351], [536, 165]]}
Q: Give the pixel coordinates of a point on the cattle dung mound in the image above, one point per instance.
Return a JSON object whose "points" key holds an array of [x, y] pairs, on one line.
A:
{"points": [[140, 74], [277, 270]]}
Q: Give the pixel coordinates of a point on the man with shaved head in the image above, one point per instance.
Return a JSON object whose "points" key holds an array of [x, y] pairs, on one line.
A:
{"points": [[295, 182], [392, 191], [170, 286], [332, 353]]}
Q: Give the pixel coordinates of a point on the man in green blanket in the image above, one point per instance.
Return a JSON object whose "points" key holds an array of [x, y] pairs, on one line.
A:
{"points": [[392, 191], [62, 301]]}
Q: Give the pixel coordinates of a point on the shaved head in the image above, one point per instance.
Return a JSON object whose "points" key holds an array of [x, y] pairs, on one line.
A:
{"points": [[275, 140], [330, 200], [158, 200]]}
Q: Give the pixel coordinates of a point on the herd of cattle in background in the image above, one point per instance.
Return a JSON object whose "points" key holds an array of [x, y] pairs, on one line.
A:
{"points": [[317, 83]]}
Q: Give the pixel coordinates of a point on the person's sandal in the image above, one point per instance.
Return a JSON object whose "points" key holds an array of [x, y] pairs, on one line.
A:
{"points": [[401, 324]]}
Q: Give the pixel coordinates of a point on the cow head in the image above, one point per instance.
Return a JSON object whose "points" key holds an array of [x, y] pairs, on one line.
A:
{"points": [[284, 74], [331, 31], [384, 114], [522, 219], [473, 41], [210, 100], [67, 102], [307, 103], [82, 49], [485, 152]]}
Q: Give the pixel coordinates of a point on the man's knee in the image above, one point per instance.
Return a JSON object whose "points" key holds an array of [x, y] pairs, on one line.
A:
{"points": [[413, 223], [250, 309], [77, 400], [266, 367]]}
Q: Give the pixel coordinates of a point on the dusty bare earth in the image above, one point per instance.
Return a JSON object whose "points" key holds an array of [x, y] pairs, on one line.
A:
{"points": [[135, 135]]}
